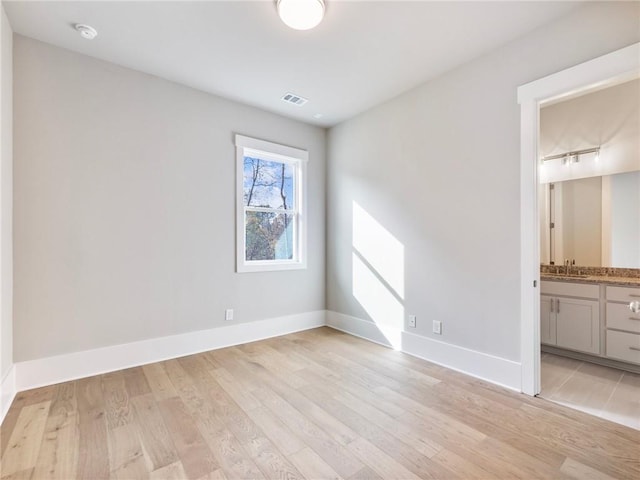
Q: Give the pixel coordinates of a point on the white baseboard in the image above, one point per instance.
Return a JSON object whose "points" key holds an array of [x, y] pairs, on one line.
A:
{"points": [[500, 371], [7, 391], [506, 373], [51, 370], [363, 329], [62, 368]]}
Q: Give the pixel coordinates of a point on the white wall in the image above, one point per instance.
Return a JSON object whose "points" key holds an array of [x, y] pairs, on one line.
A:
{"points": [[438, 169], [608, 118], [124, 207], [6, 195]]}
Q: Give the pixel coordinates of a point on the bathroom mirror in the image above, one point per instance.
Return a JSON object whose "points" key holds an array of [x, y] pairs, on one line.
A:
{"points": [[594, 221]]}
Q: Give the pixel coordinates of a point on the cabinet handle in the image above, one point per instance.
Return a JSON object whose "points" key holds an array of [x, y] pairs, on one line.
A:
{"points": [[634, 295], [551, 305], [557, 305], [634, 348], [634, 318]]}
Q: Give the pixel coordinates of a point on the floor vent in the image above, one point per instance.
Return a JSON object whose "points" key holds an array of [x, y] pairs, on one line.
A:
{"points": [[295, 99]]}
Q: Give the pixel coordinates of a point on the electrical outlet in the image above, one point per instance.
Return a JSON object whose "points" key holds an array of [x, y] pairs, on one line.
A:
{"points": [[437, 327], [228, 314], [412, 321]]}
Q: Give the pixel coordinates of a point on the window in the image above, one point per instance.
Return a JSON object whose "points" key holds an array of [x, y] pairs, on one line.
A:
{"points": [[270, 214]]}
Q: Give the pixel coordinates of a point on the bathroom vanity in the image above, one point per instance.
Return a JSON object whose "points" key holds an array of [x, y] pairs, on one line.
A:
{"points": [[590, 317]]}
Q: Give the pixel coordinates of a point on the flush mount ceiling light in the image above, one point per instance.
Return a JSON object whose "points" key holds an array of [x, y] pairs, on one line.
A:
{"points": [[86, 31], [301, 14]]}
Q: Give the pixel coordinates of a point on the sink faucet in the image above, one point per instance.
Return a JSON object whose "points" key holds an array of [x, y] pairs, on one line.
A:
{"points": [[567, 266]]}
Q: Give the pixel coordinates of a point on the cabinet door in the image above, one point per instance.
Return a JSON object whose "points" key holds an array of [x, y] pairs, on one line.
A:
{"points": [[578, 325], [547, 320]]}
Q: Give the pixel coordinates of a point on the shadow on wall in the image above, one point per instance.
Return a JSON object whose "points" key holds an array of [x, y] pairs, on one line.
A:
{"points": [[378, 274]]}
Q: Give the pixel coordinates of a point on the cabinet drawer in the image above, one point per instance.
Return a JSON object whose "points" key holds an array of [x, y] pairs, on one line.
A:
{"points": [[570, 289], [623, 294], [621, 345], [621, 317]]}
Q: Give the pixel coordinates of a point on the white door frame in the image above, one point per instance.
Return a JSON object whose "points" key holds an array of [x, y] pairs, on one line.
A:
{"points": [[613, 68]]}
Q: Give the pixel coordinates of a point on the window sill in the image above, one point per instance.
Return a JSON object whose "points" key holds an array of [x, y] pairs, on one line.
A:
{"points": [[270, 266]]}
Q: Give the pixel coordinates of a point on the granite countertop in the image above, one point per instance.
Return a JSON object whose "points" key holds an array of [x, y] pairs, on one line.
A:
{"points": [[592, 279]]}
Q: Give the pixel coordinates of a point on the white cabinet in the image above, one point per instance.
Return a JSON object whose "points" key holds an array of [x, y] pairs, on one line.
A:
{"points": [[623, 346], [623, 294], [623, 325], [578, 324], [547, 320], [576, 316], [620, 317], [568, 322]]}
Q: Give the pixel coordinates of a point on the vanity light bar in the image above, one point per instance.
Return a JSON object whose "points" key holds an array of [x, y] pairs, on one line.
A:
{"points": [[575, 153]]}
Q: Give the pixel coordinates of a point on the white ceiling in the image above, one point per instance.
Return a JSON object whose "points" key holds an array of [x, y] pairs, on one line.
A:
{"points": [[363, 53]]}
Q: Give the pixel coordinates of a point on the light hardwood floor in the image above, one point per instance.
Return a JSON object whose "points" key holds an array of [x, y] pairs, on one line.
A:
{"points": [[602, 391], [318, 404]]}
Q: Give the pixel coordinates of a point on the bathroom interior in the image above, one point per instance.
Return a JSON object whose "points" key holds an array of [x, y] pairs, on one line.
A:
{"points": [[589, 206]]}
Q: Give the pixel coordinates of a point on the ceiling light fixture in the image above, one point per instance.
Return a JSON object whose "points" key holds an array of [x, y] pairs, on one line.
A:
{"points": [[301, 14], [86, 31]]}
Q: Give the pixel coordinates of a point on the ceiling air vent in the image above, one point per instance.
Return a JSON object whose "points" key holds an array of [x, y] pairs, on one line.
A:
{"points": [[295, 99]]}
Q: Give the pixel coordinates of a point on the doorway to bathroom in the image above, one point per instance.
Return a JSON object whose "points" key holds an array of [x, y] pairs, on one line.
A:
{"points": [[609, 70], [589, 209]]}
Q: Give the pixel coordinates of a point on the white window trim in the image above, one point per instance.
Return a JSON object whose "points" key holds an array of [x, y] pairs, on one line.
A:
{"points": [[279, 153]]}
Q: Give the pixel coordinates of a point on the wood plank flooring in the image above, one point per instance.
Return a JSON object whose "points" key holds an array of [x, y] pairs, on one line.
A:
{"points": [[318, 404]]}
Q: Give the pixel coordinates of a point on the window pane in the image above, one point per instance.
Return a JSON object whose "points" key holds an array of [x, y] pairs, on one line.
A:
{"points": [[268, 184], [269, 236]]}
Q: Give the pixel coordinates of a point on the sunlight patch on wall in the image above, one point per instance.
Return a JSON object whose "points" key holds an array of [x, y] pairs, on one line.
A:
{"points": [[379, 248], [378, 274], [380, 304]]}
